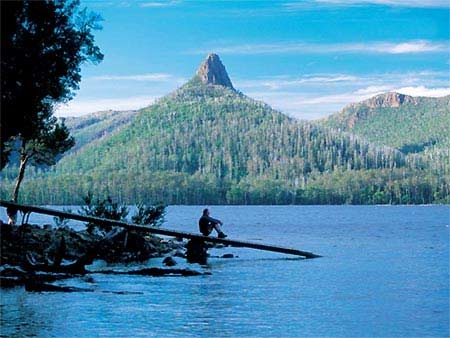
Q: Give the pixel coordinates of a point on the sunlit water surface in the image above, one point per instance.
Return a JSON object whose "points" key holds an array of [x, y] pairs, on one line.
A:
{"points": [[385, 273]]}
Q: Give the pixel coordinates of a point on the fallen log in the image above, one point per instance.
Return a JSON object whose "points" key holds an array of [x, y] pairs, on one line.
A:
{"points": [[158, 231]]}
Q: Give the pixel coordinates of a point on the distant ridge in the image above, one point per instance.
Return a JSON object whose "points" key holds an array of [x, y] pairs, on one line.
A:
{"points": [[397, 120], [213, 72], [388, 100]]}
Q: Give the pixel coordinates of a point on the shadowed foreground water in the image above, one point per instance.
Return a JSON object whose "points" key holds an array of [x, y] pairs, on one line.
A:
{"points": [[385, 273]]}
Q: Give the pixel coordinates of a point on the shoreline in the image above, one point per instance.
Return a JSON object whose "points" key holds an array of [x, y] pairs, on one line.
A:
{"points": [[33, 255]]}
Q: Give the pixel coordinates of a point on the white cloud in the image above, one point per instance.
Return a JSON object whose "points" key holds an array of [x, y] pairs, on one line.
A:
{"points": [[82, 107], [420, 46], [342, 99], [282, 82], [306, 106], [424, 91], [151, 77], [369, 83], [311, 107], [313, 100], [377, 47], [156, 4], [374, 90], [129, 3], [306, 96], [399, 3]]}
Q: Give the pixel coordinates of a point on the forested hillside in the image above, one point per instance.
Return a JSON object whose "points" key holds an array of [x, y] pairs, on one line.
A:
{"points": [[419, 127], [91, 127], [407, 123], [209, 144], [85, 129]]}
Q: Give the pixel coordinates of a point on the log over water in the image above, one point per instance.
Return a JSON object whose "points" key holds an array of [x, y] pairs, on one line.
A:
{"points": [[164, 232]]}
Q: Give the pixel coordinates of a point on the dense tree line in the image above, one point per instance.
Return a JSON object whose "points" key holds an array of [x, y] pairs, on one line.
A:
{"points": [[211, 145], [386, 186]]}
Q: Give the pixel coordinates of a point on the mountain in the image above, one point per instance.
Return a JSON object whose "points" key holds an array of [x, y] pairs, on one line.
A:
{"points": [[212, 72], [410, 124], [91, 127], [207, 143], [85, 129]]}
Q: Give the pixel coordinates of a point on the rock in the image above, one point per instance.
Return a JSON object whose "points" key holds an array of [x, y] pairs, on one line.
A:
{"points": [[155, 272], [88, 279], [5, 229], [11, 276], [390, 100], [57, 245], [197, 251], [213, 72], [169, 261], [16, 276], [229, 255], [179, 253], [75, 268], [95, 231], [114, 232], [10, 282], [179, 246]]}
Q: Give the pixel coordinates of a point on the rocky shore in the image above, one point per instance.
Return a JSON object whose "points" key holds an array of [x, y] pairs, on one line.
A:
{"points": [[34, 256]]}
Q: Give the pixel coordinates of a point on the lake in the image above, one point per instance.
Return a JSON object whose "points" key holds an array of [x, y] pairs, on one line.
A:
{"points": [[384, 273]]}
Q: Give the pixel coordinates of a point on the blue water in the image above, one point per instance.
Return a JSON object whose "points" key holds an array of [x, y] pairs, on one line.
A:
{"points": [[385, 273]]}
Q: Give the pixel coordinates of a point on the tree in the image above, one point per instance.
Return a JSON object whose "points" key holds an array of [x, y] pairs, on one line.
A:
{"points": [[43, 44]]}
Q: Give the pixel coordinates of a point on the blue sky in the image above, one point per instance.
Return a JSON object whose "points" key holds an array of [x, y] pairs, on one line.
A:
{"points": [[305, 58]]}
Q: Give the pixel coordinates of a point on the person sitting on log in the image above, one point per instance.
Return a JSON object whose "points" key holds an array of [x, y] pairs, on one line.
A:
{"points": [[207, 224]]}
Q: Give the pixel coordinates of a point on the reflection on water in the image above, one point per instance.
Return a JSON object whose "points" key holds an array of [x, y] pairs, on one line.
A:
{"points": [[384, 273]]}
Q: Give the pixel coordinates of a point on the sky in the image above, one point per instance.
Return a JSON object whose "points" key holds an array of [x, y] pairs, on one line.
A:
{"points": [[307, 59]]}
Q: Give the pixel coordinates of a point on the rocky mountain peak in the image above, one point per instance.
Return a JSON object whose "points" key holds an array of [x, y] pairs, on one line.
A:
{"points": [[213, 72], [386, 100], [390, 100]]}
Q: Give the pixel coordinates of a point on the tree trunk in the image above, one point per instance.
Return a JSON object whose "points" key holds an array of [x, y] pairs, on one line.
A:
{"points": [[24, 157]]}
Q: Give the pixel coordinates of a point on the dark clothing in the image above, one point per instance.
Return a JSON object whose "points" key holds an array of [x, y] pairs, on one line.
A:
{"points": [[207, 224]]}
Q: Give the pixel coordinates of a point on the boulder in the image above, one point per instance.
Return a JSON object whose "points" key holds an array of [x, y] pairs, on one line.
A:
{"points": [[169, 261], [197, 251]]}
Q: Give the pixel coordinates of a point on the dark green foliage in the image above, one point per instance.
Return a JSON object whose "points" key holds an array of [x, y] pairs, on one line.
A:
{"points": [[103, 208], [51, 142], [152, 215], [211, 145], [43, 45], [415, 148], [149, 215], [419, 127], [91, 127], [214, 131], [423, 122]]}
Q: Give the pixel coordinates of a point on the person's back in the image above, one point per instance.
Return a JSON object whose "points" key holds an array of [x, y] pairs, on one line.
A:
{"points": [[203, 224], [207, 224]]}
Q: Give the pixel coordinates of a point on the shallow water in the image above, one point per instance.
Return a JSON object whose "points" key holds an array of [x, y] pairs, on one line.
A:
{"points": [[385, 273]]}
